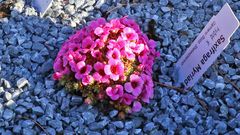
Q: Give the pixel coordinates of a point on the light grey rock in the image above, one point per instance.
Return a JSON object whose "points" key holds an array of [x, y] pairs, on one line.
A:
{"points": [[37, 110], [148, 127], [88, 117], [118, 124], [56, 124], [113, 113], [8, 114], [7, 96], [22, 82]]}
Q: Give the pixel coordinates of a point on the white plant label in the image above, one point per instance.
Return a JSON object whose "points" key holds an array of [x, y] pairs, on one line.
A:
{"points": [[205, 49], [42, 6]]}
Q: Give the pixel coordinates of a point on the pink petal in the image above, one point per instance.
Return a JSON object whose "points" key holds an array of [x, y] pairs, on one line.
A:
{"points": [[137, 92], [78, 76], [128, 87], [87, 80], [107, 70], [80, 65], [97, 76], [57, 76], [109, 91], [136, 106], [98, 31], [98, 66], [114, 77]]}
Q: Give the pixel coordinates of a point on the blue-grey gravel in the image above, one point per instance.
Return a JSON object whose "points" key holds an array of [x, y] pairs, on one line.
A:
{"points": [[29, 45]]}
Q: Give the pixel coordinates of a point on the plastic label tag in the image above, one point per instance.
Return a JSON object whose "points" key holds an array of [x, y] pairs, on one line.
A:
{"points": [[205, 49], [42, 6]]}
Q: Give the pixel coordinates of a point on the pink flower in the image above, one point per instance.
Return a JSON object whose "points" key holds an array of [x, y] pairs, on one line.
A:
{"points": [[127, 99], [128, 53], [114, 54], [136, 106], [147, 94], [57, 75], [135, 85], [114, 69], [100, 75], [136, 48], [88, 79], [129, 34], [87, 44], [147, 80], [82, 69], [58, 65], [115, 92], [98, 31], [96, 54]]}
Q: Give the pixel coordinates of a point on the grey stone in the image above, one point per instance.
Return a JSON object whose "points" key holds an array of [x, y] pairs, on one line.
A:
{"points": [[191, 114], [37, 58], [17, 129], [113, 113], [220, 86], [129, 125], [11, 104], [38, 39], [122, 133], [7, 96], [236, 47], [38, 88], [28, 131], [5, 83], [22, 82], [163, 2], [99, 3], [237, 130], [76, 100], [148, 127], [37, 110], [8, 114], [232, 123], [46, 66], [38, 46], [20, 110], [27, 124], [221, 127], [65, 104], [171, 58], [88, 117], [118, 124], [51, 131], [56, 124], [165, 9], [189, 99], [137, 131], [209, 83], [79, 3]]}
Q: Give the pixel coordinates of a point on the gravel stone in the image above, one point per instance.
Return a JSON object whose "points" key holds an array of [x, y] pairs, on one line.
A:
{"points": [[56, 124], [209, 83], [37, 58], [221, 127], [113, 113], [37, 110], [8, 114], [118, 124], [148, 127], [7, 96], [22, 82], [28, 131], [88, 117], [189, 99]]}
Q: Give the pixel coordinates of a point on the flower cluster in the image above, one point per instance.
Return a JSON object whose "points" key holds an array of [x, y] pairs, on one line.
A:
{"points": [[109, 62]]}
